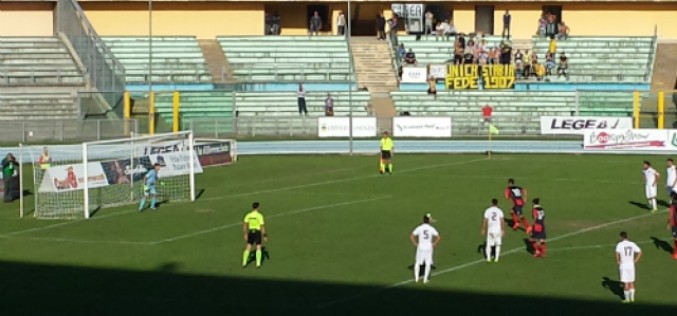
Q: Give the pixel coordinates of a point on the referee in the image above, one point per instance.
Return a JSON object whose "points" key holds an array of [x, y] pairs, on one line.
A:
{"points": [[254, 230], [386, 154]]}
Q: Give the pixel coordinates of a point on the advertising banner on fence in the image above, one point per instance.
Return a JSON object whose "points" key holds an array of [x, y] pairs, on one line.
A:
{"points": [[123, 171], [408, 126], [215, 153], [339, 127], [577, 125], [70, 178], [630, 140], [176, 163], [414, 75], [465, 77], [438, 71]]}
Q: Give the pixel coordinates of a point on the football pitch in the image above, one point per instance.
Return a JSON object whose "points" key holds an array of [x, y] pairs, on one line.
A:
{"points": [[339, 242]]}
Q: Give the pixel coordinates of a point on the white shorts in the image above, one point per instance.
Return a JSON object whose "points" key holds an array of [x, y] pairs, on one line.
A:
{"points": [[627, 274], [493, 239], [650, 191], [424, 256]]}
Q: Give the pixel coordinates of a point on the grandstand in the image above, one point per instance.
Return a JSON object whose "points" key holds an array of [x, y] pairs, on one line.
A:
{"points": [[174, 58], [288, 58], [37, 61]]}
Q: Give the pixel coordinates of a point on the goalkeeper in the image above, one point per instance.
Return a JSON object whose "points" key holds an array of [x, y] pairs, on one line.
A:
{"points": [[149, 187]]}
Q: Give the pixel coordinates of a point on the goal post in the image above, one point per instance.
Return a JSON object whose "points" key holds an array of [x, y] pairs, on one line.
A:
{"points": [[85, 178]]}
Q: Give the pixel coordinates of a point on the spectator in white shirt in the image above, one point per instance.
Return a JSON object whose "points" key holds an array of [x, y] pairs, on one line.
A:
{"points": [[302, 100]]}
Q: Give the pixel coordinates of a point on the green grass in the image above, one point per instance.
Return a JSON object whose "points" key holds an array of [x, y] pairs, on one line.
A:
{"points": [[339, 243]]}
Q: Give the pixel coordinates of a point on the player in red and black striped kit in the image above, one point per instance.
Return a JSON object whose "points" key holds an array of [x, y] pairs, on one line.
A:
{"points": [[537, 237], [672, 222], [518, 195]]}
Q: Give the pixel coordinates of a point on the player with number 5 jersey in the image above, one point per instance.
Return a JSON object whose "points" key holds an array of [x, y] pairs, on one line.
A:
{"points": [[493, 226], [425, 237], [627, 255]]}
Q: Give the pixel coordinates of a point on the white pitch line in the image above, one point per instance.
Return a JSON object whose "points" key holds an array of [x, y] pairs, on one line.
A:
{"points": [[478, 261], [79, 241], [304, 210], [588, 247], [30, 230], [302, 186]]}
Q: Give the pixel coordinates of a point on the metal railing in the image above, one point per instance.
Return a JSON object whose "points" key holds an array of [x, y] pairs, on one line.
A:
{"points": [[102, 69], [68, 130]]}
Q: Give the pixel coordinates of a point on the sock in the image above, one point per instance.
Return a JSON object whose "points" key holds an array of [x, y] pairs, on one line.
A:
{"points": [[487, 251], [143, 203], [535, 246], [259, 254], [525, 223], [245, 257], [543, 248], [390, 167], [382, 167], [653, 203], [626, 293], [632, 294], [497, 252], [515, 219], [153, 201], [417, 271], [426, 272]]}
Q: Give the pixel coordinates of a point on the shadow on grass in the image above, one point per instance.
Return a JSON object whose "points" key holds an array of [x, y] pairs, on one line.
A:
{"points": [[36, 289], [662, 244], [265, 256], [616, 287], [640, 205]]}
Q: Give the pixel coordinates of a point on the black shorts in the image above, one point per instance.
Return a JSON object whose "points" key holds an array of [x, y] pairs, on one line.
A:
{"points": [[538, 234], [385, 154], [517, 209], [254, 237], [674, 232]]}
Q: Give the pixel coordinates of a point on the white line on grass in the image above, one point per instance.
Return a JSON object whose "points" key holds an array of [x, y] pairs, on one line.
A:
{"points": [[79, 241], [302, 186], [303, 210], [30, 230], [476, 262], [588, 247]]}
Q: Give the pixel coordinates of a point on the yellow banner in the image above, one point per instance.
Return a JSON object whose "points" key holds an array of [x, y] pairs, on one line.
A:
{"points": [[463, 77]]}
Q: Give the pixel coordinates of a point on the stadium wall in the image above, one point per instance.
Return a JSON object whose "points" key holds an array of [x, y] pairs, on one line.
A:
{"points": [[26, 19]]}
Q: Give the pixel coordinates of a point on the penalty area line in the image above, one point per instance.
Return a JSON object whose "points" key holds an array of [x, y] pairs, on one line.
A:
{"points": [[478, 261], [293, 212]]}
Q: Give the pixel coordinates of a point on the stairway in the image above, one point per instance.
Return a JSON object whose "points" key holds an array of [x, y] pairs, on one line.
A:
{"points": [[375, 72], [217, 63], [665, 67]]}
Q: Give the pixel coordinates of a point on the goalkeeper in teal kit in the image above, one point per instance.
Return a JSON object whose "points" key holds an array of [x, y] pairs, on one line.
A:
{"points": [[149, 189]]}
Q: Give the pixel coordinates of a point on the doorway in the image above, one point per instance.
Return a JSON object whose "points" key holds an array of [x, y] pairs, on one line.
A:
{"points": [[484, 19], [554, 9], [323, 11]]}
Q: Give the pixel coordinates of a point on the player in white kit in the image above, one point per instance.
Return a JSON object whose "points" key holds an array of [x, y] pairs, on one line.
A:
{"points": [[627, 254], [425, 237], [671, 175], [493, 226], [650, 184]]}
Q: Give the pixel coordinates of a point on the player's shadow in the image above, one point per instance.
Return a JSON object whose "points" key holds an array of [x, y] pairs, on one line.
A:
{"points": [[614, 286], [662, 244], [199, 194], [421, 271], [640, 205], [265, 256], [529, 246], [662, 203]]}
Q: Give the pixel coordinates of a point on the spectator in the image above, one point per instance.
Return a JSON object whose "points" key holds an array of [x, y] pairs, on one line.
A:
{"points": [[341, 23], [541, 25], [450, 31], [527, 65], [393, 28], [267, 24], [302, 100], [505, 53], [534, 62], [563, 67], [461, 40], [432, 85], [315, 24], [551, 26], [487, 111], [380, 27], [329, 105], [539, 71], [44, 161], [458, 54], [442, 29], [9, 165], [549, 63], [469, 53], [519, 64], [410, 58], [507, 18], [401, 51], [552, 48], [276, 24], [563, 31], [428, 26]]}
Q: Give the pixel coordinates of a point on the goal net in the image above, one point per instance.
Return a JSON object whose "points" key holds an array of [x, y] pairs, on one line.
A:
{"points": [[81, 179]]}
